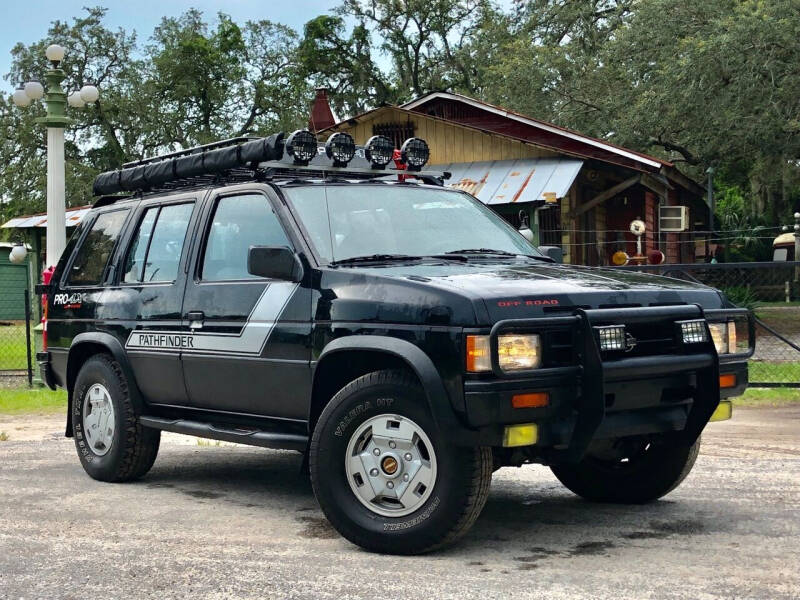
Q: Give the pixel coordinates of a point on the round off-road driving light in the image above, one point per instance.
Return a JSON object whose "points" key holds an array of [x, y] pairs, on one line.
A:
{"points": [[302, 146], [415, 153], [341, 148], [379, 151]]}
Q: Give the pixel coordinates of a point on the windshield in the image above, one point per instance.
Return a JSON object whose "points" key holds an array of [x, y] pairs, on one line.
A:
{"points": [[347, 221]]}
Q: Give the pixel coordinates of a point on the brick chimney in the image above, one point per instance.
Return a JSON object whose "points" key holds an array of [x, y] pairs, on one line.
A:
{"points": [[321, 114]]}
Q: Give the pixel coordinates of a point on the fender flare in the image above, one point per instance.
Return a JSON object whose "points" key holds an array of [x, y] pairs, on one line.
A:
{"points": [[113, 345], [420, 363]]}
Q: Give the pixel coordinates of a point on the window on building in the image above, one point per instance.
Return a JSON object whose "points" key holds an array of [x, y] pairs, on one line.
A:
{"points": [[92, 257], [238, 223], [155, 252]]}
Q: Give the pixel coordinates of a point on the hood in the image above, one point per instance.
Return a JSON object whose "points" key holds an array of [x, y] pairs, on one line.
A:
{"points": [[521, 289]]}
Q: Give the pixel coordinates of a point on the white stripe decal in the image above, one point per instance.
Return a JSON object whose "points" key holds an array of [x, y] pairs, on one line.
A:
{"points": [[250, 341]]}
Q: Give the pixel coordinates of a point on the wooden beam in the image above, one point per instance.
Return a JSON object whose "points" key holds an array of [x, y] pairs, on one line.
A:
{"points": [[607, 195], [657, 183]]}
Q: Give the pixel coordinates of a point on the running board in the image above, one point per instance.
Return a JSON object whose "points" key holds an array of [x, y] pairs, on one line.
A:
{"points": [[239, 435]]}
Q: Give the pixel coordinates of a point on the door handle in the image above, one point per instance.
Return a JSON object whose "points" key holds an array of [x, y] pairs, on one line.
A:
{"points": [[195, 319]]}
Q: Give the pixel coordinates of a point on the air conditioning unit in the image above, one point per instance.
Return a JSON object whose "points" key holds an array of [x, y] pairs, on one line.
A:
{"points": [[673, 218]]}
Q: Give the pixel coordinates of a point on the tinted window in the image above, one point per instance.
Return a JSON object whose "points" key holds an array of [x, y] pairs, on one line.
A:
{"points": [[156, 249], [238, 223], [92, 257]]}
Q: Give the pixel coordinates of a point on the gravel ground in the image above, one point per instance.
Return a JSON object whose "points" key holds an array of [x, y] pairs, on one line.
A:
{"points": [[235, 522]]}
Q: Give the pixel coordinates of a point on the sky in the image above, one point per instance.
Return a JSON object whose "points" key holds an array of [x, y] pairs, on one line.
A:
{"points": [[28, 20]]}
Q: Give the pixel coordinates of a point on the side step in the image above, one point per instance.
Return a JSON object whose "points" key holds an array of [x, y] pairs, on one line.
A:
{"points": [[239, 435]]}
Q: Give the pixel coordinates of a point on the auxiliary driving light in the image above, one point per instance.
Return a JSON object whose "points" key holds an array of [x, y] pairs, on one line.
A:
{"points": [[694, 331], [379, 151], [611, 337], [302, 146], [341, 148], [415, 153]]}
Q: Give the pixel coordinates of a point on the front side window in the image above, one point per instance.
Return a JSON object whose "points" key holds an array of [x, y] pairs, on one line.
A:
{"points": [[155, 251], [238, 223], [95, 251], [346, 221]]}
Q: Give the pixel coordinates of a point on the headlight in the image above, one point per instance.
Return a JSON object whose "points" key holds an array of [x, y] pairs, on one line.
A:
{"points": [[514, 352], [519, 352]]}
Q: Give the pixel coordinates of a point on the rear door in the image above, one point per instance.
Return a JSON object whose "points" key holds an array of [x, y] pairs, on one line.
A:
{"points": [[250, 349], [151, 279]]}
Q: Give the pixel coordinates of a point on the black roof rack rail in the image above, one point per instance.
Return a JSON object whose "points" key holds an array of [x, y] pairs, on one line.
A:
{"points": [[193, 150], [108, 200]]}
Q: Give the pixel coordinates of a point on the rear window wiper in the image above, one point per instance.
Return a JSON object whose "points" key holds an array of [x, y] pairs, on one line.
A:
{"points": [[375, 258]]}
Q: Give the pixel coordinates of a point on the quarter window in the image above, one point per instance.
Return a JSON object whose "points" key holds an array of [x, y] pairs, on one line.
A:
{"points": [[238, 223], [155, 252], [92, 257]]}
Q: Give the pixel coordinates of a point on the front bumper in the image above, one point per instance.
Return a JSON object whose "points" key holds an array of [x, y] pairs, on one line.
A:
{"points": [[600, 396]]}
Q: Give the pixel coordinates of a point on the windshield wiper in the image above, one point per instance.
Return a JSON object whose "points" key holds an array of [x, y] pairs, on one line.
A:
{"points": [[375, 258], [497, 253]]}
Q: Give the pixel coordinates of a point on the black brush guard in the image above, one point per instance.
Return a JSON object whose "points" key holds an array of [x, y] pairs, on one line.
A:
{"points": [[595, 371]]}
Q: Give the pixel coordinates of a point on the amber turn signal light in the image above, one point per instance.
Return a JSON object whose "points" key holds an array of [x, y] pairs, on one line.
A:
{"points": [[727, 381], [535, 400]]}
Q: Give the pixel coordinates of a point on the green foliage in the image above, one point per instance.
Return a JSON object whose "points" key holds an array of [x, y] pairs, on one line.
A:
{"points": [[32, 401], [741, 296]]}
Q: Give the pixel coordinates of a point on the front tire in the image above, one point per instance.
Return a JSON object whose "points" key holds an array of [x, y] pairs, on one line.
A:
{"points": [[111, 444], [385, 477], [640, 471]]}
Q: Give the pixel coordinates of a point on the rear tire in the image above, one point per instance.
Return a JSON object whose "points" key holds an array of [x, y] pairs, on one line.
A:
{"points": [[362, 415], [648, 474], [111, 444]]}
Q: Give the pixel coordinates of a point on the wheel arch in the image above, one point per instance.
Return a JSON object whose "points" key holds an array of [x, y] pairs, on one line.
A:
{"points": [[349, 357], [83, 347]]}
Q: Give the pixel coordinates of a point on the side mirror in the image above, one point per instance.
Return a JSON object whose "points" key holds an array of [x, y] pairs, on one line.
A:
{"points": [[554, 252], [274, 262]]}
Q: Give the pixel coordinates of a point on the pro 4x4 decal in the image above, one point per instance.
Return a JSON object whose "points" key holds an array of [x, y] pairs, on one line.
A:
{"points": [[249, 341]]}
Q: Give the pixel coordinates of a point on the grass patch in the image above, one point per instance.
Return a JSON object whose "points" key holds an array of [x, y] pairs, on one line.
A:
{"points": [[21, 401], [205, 442], [13, 347], [768, 397], [774, 372]]}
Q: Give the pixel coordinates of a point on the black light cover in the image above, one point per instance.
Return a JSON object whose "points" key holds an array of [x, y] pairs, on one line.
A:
{"points": [[415, 153], [379, 151], [302, 146], [341, 148]]}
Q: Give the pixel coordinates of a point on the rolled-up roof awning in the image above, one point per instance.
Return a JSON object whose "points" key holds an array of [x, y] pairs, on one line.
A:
{"points": [[506, 181]]}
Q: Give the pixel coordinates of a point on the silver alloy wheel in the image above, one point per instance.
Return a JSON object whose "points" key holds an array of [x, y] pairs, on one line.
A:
{"points": [[390, 465], [98, 419]]}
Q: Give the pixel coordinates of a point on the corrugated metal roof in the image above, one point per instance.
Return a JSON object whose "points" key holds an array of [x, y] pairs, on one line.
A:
{"points": [[74, 216], [505, 181]]}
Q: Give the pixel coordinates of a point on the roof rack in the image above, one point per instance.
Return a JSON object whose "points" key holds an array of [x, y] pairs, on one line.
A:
{"points": [[245, 159]]}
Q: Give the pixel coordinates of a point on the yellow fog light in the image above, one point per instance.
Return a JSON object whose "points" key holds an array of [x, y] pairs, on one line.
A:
{"points": [[723, 412], [520, 435]]}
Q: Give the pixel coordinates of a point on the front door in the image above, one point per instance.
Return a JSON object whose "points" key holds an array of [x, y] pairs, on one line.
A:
{"points": [[249, 351]]}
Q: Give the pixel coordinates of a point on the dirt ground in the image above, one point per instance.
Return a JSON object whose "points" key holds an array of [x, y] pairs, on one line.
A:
{"points": [[230, 521]]}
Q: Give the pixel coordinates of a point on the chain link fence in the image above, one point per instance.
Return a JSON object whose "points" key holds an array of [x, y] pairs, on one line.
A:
{"points": [[16, 343], [772, 291]]}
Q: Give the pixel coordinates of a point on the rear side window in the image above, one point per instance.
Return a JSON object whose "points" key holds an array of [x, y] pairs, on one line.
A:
{"points": [[238, 223], [92, 256], [155, 251]]}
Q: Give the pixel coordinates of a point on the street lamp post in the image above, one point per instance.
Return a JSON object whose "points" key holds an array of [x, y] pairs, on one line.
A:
{"points": [[56, 101]]}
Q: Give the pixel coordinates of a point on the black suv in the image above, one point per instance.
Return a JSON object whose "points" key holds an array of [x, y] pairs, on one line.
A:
{"points": [[400, 334]]}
